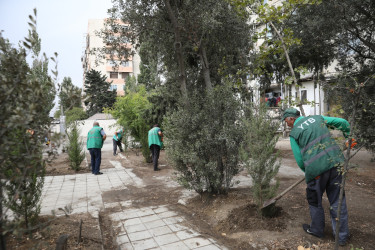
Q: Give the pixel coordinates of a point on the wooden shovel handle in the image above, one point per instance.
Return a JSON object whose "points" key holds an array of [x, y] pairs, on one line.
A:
{"points": [[289, 188]]}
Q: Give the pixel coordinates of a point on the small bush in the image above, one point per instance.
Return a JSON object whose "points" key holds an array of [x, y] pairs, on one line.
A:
{"points": [[258, 153], [75, 148]]}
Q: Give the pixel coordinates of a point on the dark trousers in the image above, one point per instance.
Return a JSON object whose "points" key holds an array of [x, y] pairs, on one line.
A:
{"points": [[329, 182], [155, 151], [96, 159], [115, 144]]}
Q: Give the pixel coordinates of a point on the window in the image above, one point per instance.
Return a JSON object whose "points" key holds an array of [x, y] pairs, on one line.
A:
{"points": [[111, 63], [124, 75], [113, 75], [303, 96], [125, 64], [113, 87]]}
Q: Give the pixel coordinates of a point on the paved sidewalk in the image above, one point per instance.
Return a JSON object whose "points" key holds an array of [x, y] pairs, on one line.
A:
{"points": [[83, 192], [155, 227]]}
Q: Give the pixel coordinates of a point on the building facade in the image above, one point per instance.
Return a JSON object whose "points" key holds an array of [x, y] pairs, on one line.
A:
{"points": [[310, 92], [117, 76]]}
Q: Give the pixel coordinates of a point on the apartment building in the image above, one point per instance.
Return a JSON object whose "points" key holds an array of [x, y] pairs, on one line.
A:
{"points": [[116, 75]]}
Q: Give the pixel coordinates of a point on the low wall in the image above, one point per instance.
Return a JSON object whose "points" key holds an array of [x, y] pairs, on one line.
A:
{"points": [[109, 127]]}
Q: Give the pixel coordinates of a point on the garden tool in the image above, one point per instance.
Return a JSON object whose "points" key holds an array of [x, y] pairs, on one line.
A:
{"points": [[273, 200]]}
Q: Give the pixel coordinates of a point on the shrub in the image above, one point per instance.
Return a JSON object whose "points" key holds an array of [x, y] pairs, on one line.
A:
{"points": [[26, 98], [203, 138], [26, 177], [258, 153], [75, 147]]}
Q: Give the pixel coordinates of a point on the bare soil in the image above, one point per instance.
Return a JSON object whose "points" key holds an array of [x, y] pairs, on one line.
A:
{"points": [[51, 228], [234, 216], [232, 219], [60, 165]]}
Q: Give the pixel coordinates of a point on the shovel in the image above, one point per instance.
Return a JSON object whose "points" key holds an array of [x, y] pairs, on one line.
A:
{"points": [[273, 200]]}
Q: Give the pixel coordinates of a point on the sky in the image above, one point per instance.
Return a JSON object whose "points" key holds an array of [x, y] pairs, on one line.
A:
{"points": [[61, 24]]}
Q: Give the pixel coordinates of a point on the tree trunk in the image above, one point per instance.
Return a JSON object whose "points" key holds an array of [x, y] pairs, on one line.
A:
{"points": [[178, 48], [290, 67], [205, 67], [346, 168]]}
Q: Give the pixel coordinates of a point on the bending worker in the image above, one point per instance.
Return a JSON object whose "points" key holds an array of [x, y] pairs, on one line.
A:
{"points": [[117, 140], [155, 140], [95, 139], [318, 155]]}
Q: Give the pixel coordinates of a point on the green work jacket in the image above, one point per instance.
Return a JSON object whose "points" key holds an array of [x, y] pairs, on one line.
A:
{"points": [[154, 137], [119, 135], [313, 148], [95, 138]]}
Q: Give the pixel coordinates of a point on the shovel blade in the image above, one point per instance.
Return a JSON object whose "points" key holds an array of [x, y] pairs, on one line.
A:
{"points": [[268, 203]]}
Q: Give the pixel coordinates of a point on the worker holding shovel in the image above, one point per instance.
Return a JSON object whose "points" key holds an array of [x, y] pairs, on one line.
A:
{"points": [[318, 155]]}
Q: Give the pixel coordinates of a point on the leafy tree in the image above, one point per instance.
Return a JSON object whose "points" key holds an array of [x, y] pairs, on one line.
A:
{"points": [[26, 98], [335, 34], [203, 140], [70, 95], [130, 110], [75, 114], [193, 43], [258, 154], [148, 67], [195, 46], [98, 95]]}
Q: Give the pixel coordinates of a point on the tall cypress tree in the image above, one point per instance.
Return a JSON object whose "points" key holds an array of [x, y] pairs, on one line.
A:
{"points": [[98, 95]]}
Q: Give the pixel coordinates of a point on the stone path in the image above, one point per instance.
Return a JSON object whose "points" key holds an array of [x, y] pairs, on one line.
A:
{"points": [[155, 227]]}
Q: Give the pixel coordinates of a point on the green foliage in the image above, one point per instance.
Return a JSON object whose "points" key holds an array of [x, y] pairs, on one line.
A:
{"points": [[203, 138], [98, 95], [70, 95], [75, 148], [352, 95], [75, 114], [57, 114], [26, 99], [131, 84], [130, 110], [26, 177], [258, 153], [334, 34], [186, 43]]}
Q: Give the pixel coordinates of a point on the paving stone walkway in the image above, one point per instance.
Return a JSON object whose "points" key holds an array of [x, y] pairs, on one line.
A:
{"points": [[155, 227]]}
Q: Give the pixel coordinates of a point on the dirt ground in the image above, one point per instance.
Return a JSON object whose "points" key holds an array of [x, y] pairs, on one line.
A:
{"points": [[231, 219], [93, 234], [234, 216]]}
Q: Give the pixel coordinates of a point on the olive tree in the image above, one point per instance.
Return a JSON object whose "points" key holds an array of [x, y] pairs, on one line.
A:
{"points": [[26, 98]]}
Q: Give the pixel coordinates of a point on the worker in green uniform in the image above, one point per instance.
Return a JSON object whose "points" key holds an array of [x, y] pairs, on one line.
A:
{"points": [[95, 139], [117, 140], [155, 141], [318, 155]]}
